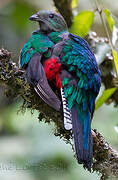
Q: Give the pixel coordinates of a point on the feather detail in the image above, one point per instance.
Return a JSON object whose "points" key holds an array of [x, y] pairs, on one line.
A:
{"points": [[66, 112], [52, 68], [35, 75], [38, 43], [83, 141]]}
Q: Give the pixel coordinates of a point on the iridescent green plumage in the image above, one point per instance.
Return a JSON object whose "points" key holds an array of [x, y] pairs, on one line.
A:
{"points": [[38, 43], [79, 74]]}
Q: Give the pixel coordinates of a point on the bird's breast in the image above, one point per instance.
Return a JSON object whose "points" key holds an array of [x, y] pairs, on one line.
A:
{"points": [[52, 68]]}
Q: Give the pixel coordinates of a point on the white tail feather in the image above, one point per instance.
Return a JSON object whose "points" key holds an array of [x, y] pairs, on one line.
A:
{"points": [[67, 112]]}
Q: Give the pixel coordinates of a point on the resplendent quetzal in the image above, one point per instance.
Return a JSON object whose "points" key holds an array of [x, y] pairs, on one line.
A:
{"points": [[54, 55]]}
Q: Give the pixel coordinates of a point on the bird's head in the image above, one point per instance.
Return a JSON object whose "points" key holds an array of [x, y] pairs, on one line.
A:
{"points": [[49, 21]]}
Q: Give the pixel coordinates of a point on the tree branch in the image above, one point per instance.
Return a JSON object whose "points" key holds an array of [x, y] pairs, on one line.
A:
{"points": [[105, 157], [64, 7]]}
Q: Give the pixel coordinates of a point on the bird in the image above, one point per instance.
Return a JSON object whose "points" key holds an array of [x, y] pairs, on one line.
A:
{"points": [[54, 55]]}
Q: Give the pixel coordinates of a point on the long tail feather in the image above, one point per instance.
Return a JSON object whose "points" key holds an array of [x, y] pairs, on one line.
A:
{"points": [[66, 112], [82, 136]]}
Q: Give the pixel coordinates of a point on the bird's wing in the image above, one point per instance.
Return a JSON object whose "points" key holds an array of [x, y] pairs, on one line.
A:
{"points": [[35, 75], [80, 61], [30, 59], [38, 43]]}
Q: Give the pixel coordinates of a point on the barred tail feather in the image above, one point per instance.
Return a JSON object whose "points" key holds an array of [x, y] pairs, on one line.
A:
{"points": [[82, 136], [66, 112]]}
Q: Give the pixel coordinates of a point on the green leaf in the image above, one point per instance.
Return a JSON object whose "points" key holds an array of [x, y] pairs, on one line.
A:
{"points": [[113, 25], [82, 23], [74, 3], [103, 98], [115, 56], [109, 18]]}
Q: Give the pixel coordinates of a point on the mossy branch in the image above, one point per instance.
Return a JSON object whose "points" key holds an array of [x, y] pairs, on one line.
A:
{"points": [[105, 157]]}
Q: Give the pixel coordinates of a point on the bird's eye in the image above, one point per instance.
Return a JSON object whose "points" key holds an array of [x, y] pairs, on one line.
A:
{"points": [[51, 15]]}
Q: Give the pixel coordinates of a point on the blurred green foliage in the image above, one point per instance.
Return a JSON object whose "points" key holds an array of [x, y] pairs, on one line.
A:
{"points": [[104, 97], [82, 23], [21, 11], [18, 14], [115, 56], [74, 3], [109, 18]]}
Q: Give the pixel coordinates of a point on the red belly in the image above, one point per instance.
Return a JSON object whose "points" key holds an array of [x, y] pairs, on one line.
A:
{"points": [[52, 69]]}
